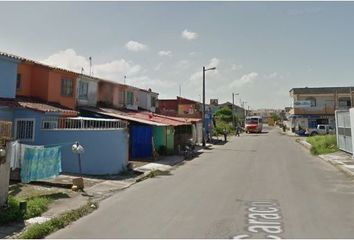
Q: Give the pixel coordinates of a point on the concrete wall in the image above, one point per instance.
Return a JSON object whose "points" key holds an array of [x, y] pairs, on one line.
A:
{"points": [[8, 77], [351, 111], [4, 181], [6, 114], [106, 151], [91, 99]]}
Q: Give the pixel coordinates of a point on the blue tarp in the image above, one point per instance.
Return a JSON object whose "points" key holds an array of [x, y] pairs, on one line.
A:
{"points": [[141, 141]]}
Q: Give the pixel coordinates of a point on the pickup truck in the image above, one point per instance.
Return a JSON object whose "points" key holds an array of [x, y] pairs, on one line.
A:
{"points": [[322, 129]]}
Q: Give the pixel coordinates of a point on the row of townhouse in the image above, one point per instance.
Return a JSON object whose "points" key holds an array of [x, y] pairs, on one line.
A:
{"points": [[114, 122], [313, 106]]}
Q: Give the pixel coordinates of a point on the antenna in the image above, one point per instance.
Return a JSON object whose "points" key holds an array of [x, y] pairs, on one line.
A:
{"points": [[90, 58], [180, 90], [82, 70], [125, 77]]}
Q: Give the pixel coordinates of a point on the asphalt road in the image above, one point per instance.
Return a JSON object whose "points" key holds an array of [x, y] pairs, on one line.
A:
{"points": [[256, 186]]}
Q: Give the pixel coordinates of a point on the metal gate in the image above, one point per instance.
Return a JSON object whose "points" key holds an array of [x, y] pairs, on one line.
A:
{"points": [[343, 131]]}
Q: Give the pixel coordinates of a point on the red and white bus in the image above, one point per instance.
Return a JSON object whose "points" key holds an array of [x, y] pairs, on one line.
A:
{"points": [[253, 124]]}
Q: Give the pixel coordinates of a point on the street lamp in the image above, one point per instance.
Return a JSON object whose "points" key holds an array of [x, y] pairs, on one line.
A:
{"points": [[203, 111], [233, 106]]}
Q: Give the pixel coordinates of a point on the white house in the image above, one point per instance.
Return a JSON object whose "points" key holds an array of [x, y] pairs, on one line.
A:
{"points": [[147, 100]]}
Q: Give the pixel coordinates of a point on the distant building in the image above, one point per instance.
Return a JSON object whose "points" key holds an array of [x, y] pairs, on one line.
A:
{"points": [[313, 106]]}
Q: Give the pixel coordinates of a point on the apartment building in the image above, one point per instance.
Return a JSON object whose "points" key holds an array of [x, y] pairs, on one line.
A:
{"points": [[313, 106]]}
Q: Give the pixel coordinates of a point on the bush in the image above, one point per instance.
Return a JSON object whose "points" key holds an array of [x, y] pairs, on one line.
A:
{"points": [[12, 213], [323, 144]]}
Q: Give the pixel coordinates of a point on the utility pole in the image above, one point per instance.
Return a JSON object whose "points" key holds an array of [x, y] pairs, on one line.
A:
{"points": [[203, 112], [233, 109], [203, 109]]}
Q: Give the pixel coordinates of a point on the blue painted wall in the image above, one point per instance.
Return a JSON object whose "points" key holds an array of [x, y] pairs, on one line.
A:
{"points": [[6, 114], [106, 151], [8, 77]]}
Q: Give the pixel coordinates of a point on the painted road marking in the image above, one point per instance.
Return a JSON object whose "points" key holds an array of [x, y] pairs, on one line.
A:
{"points": [[263, 218]]}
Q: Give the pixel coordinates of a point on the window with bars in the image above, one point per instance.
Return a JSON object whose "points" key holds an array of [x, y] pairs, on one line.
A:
{"points": [[83, 90], [25, 129], [66, 87], [49, 124]]}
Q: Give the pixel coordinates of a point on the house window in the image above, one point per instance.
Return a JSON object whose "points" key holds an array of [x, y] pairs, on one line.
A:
{"points": [[66, 87], [18, 81], [49, 124], [153, 101], [130, 98], [83, 90], [312, 100], [344, 102], [24, 129]]}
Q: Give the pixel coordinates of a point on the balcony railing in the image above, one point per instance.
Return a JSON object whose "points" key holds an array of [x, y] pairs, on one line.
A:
{"points": [[62, 123]]}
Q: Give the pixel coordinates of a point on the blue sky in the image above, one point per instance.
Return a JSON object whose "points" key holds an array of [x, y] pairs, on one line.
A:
{"points": [[261, 49]]}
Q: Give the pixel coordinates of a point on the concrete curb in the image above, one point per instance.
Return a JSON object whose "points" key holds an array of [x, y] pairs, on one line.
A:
{"points": [[339, 165], [304, 143]]}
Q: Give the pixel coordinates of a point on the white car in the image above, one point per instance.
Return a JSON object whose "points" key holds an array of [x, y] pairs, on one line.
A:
{"points": [[322, 129]]}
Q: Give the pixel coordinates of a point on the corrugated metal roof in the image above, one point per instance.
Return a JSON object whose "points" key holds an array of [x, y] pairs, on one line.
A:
{"points": [[139, 116], [36, 105]]}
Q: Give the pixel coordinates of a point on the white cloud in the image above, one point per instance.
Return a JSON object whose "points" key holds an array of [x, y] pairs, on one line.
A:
{"points": [[163, 53], [189, 35], [158, 66], [135, 46], [114, 70], [182, 64], [214, 62], [236, 67], [245, 79]]}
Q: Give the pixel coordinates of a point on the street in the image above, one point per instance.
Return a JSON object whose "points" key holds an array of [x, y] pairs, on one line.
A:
{"points": [[255, 186]]}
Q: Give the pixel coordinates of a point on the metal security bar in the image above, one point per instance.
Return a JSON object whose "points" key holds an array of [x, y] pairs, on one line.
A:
{"points": [[62, 123], [24, 129]]}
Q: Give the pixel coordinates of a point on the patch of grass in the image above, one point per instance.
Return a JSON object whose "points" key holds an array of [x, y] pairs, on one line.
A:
{"points": [[323, 144], [12, 213], [42, 230], [35, 207]]}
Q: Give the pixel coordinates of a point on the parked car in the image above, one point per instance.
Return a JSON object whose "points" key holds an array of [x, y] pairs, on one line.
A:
{"points": [[321, 129]]}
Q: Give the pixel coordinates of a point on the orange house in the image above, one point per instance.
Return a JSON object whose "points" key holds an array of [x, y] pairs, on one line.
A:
{"points": [[46, 83]]}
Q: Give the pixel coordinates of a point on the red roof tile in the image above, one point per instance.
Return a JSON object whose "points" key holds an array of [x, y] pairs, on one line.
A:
{"points": [[36, 105]]}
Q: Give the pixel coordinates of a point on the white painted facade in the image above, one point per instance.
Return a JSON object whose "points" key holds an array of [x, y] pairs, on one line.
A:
{"points": [[145, 100], [86, 91]]}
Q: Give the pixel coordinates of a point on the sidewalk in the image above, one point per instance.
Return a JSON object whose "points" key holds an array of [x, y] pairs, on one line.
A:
{"points": [[341, 160], [96, 189]]}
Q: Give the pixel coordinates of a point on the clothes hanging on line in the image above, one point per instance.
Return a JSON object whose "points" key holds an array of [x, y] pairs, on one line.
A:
{"points": [[40, 162], [12, 154]]}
